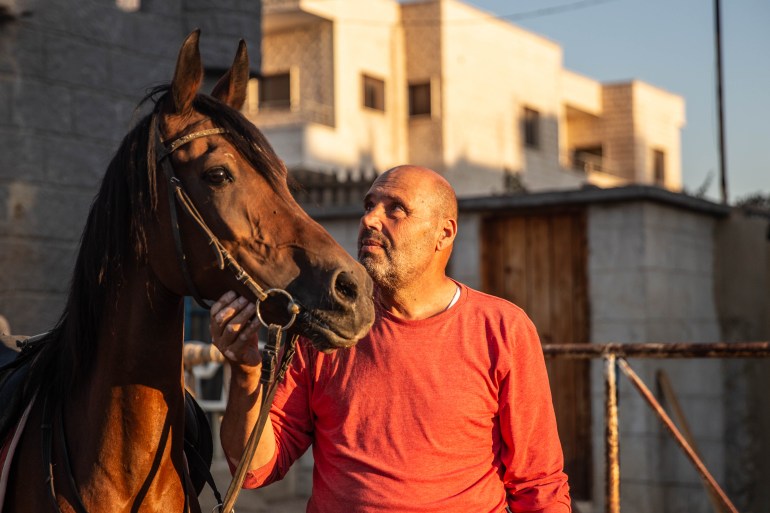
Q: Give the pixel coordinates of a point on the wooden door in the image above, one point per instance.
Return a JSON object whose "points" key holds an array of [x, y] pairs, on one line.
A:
{"points": [[538, 261]]}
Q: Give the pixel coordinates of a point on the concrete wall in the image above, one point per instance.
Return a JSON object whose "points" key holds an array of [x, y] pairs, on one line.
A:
{"points": [[651, 276], [70, 77], [638, 119], [743, 302], [423, 41]]}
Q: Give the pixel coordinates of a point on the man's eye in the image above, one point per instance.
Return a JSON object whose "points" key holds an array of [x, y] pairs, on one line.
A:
{"points": [[217, 176]]}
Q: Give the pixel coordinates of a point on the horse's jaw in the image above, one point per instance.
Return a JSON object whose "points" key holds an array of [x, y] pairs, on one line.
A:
{"points": [[327, 333]]}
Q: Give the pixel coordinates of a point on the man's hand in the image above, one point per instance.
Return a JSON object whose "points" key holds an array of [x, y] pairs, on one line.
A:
{"points": [[232, 331]]}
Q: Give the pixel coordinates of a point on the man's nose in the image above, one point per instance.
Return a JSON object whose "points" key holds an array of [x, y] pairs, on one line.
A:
{"points": [[371, 219]]}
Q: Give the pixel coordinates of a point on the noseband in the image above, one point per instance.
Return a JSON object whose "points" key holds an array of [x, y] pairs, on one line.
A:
{"points": [[177, 195]]}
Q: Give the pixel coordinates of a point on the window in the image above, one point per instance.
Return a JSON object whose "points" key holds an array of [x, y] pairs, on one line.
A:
{"points": [[275, 91], [212, 75], [659, 166], [531, 128], [419, 99], [374, 93]]}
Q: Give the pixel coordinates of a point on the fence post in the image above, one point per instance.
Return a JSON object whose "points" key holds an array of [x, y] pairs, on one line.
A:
{"points": [[612, 462]]}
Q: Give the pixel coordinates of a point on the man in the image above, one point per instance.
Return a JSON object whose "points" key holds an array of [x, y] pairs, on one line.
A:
{"points": [[443, 407]]}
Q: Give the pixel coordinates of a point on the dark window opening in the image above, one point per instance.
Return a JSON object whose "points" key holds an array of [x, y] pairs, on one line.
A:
{"points": [[419, 99], [531, 128], [374, 93], [275, 91], [659, 166]]}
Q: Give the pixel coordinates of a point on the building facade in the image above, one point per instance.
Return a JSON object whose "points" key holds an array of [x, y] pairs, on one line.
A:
{"points": [[369, 84]]}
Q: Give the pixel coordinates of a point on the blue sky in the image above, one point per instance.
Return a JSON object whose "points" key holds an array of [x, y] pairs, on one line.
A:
{"points": [[670, 44]]}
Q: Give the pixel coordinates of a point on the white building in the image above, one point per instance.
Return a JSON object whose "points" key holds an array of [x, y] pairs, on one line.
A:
{"points": [[374, 83]]}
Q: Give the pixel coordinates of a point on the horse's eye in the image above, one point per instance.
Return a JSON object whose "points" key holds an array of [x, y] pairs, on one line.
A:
{"points": [[217, 176]]}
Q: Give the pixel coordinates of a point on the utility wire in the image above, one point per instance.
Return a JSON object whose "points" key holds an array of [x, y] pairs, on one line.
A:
{"points": [[535, 13]]}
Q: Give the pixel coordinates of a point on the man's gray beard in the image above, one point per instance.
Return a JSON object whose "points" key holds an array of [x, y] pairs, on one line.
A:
{"points": [[382, 272]]}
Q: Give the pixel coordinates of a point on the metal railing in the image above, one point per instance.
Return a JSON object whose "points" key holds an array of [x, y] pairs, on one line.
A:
{"points": [[614, 356]]}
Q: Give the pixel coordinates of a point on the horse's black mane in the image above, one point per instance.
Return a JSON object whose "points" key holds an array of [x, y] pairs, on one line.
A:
{"points": [[116, 234]]}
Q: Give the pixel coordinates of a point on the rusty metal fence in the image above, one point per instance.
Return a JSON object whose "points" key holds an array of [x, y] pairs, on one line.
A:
{"points": [[615, 356]]}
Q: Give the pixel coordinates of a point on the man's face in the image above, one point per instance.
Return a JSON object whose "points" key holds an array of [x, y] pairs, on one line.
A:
{"points": [[398, 231]]}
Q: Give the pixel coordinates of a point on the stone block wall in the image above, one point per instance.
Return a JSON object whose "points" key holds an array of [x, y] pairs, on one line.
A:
{"points": [[71, 74]]}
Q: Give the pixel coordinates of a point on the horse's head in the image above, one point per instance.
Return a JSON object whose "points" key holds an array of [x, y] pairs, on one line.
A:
{"points": [[238, 185]]}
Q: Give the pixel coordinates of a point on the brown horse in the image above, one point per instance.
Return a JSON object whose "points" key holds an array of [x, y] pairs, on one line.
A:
{"points": [[109, 374]]}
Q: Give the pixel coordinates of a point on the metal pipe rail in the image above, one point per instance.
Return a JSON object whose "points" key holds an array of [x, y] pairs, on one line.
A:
{"points": [[659, 350], [614, 355]]}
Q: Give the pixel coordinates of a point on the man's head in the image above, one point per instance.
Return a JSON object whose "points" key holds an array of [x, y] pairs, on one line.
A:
{"points": [[408, 227]]}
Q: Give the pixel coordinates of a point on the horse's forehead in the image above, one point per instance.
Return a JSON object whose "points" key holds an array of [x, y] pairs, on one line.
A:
{"points": [[174, 126]]}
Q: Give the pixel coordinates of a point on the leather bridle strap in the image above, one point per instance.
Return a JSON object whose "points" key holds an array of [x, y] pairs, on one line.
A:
{"points": [[177, 195], [269, 382]]}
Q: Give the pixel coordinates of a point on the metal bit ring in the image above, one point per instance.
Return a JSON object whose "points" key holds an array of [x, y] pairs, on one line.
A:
{"points": [[292, 309]]}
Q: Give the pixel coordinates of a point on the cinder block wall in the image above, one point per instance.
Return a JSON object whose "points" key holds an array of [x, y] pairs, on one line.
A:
{"points": [[651, 275], [71, 74]]}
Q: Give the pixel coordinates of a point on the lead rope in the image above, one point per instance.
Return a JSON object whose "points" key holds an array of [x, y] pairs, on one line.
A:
{"points": [[269, 382]]}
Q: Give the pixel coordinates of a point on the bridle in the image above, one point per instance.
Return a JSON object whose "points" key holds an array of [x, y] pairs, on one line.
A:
{"points": [[274, 347], [268, 379], [177, 195]]}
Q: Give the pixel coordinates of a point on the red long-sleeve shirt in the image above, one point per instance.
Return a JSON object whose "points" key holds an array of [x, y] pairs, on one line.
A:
{"points": [[449, 414]]}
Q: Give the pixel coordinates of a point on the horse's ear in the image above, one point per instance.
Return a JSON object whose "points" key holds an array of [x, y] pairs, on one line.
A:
{"points": [[231, 88], [188, 75]]}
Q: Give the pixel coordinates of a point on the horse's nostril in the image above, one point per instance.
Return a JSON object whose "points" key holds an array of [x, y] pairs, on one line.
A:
{"points": [[345, 288]]}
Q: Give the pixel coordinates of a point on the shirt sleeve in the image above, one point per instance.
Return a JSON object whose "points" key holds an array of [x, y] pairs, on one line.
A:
{"points": [[531, 451], [291, 418]]}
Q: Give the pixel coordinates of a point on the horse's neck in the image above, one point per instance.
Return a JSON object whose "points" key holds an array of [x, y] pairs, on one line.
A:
{"points": [[132, 403]]}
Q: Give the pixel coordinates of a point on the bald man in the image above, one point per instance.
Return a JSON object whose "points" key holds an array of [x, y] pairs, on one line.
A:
{"points": [[443, 407]]}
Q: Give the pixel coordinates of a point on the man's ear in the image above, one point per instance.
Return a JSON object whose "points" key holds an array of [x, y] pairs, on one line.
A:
{"points": [[447, 234]]}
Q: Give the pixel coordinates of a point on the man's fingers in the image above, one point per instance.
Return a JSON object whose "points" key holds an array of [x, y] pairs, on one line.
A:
{"points": [[227, 312], [245, 344], [236, 323], [223, 301]]}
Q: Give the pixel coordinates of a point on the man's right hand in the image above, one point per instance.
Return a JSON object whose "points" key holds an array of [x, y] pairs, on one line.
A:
{"points": [[233, 331]]}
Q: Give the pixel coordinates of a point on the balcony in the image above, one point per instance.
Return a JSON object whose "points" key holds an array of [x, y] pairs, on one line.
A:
{"points": [[301, 112]]}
